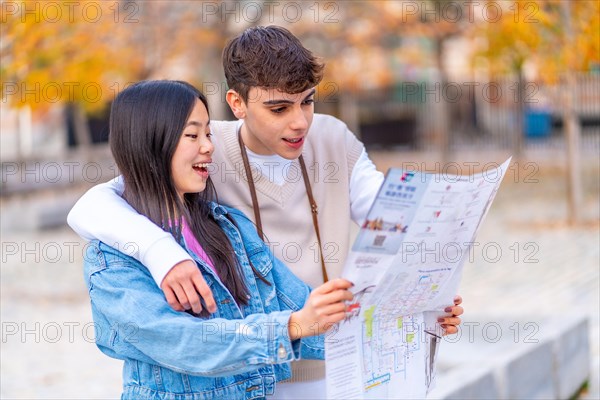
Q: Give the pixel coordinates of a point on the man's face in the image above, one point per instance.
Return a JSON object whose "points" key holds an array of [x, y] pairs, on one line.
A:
{"points": [[276, 122]]}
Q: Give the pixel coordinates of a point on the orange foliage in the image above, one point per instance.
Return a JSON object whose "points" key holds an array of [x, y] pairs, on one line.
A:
{"points": [[60, 53], [535, 31], [86, 51]]}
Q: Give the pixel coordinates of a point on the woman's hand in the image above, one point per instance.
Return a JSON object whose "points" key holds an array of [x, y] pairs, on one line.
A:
{"points": [[183, 287], [324, 307]]}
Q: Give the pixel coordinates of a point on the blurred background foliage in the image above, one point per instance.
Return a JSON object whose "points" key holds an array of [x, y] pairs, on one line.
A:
{"points": [[429, 75], [367, 44]]}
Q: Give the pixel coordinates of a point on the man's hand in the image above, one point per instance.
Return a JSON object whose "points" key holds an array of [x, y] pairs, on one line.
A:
{"points": [[183, 284], [324, 307], [450, 323]]}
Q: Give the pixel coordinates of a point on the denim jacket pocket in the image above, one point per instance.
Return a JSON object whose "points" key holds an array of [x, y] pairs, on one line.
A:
{"points": [[260, 258]]}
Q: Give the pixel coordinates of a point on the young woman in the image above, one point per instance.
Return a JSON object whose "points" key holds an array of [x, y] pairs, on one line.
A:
{"points": [[265, 317]]}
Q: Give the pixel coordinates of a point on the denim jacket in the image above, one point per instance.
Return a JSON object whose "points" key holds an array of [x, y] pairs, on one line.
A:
{"points": [[239, 352]]}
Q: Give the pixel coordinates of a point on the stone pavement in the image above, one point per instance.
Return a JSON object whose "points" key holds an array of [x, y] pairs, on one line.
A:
{"points": [[47, 336], [543, 269]]}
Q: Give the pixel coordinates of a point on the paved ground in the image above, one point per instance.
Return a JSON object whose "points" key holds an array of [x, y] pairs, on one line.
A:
{"points": [[546, 269]]}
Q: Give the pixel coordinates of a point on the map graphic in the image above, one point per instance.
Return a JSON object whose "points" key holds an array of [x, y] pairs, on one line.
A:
{"points": [[406, 264]]}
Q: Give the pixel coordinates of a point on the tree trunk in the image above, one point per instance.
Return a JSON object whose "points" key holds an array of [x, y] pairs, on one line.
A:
{"points": [[442, 128], [78, 134], [214, 88], [349, 112], [572, 127], [81, 127], [24, 133], [519, 133], [573, 134]]}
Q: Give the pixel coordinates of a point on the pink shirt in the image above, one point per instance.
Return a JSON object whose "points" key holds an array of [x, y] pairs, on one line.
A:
{"points": [[194, 246]]}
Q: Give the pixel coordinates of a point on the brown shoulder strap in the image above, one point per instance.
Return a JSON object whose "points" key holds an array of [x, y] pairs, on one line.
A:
{"points": [[314, 212], [311, 199], [252, 189]]}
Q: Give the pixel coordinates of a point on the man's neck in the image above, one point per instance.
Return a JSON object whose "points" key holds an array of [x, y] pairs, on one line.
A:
{"points": [[252, 143]]}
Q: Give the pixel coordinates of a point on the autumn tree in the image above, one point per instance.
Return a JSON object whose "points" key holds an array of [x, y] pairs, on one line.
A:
{"points": [[558, 38], [64, 53], [81, 54]]}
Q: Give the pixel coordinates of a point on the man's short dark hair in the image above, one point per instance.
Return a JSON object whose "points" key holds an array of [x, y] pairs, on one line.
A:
{"points": [[270, 57]]}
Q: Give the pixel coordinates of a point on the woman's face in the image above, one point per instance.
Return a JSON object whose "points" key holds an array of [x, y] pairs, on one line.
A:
{"points": [[189, 164]]}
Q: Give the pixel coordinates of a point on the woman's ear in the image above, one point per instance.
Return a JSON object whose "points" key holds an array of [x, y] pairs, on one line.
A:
{"points": [[236, 103]]}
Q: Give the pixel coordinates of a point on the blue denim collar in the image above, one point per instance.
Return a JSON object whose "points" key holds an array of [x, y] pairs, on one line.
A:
{"points": [[216, 209]]}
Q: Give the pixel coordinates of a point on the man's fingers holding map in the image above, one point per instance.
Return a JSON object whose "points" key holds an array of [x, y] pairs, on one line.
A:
{"points": [[457, 300], [450, 322], [455, 311]]}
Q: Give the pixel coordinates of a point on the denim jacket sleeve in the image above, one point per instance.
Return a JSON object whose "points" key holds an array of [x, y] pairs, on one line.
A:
{"points": [[311, 347], [291, 291], [133, 320]]}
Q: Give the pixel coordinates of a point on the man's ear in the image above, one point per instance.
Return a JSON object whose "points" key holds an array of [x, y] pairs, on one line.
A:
{"points": [[236, 103]]}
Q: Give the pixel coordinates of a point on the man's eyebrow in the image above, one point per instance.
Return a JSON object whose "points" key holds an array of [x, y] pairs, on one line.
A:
{"points": [[283, 101], [311, 93]]}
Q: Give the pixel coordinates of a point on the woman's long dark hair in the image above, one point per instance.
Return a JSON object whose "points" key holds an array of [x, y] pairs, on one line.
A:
{"points": [[146, 122]]}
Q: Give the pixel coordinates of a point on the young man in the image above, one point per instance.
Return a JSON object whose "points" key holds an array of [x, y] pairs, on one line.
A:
{"points": [[298, 163]]}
